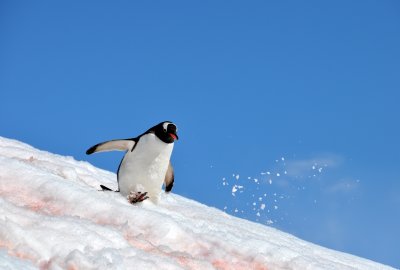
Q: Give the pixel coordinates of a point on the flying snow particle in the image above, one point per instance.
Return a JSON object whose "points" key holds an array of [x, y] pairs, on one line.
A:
{"points": [[270, 181], [262, 207], [224, 182], [235, 188]]}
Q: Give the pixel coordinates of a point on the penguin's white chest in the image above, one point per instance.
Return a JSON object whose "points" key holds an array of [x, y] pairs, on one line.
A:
{"points": [[145, 167]]}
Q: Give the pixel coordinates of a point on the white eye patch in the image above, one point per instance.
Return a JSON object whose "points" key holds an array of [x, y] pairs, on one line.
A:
{"points": [[165, 125]]}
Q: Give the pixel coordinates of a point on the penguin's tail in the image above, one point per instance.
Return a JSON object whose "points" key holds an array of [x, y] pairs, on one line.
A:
{"points": [[104, 188]]}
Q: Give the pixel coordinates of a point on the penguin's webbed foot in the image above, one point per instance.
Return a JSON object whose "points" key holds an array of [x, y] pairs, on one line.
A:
{"points": [[135, 197]]}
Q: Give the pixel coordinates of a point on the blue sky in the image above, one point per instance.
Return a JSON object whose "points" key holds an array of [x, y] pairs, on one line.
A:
{"points": [[295, 101]]}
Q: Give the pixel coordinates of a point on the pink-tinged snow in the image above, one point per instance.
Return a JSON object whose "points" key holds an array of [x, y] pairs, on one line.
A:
{"points": [[52, 216]]}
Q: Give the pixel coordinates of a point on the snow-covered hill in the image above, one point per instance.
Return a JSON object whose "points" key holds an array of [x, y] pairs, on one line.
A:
{"points": [[52, 216]]}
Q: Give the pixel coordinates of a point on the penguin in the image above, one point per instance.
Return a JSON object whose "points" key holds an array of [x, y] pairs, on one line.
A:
{"points": [[146, 165]]}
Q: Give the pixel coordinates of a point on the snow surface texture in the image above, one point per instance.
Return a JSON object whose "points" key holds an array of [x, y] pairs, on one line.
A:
{"points": [[53, 217]]}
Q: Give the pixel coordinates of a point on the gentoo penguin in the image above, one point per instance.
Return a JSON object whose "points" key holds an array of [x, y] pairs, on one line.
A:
{"points": [[146, 164]]}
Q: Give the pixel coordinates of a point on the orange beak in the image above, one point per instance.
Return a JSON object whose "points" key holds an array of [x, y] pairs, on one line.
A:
{"points": [[173, 136]]}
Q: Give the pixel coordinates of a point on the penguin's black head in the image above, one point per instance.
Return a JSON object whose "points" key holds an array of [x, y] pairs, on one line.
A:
{"points": [[166, 131]]}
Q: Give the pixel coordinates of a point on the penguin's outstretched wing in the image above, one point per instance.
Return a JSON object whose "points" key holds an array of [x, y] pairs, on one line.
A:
{"points": [[169, 178], [121, 145]]}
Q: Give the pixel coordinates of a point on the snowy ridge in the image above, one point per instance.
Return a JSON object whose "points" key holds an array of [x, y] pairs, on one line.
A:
{"points": [[52, 216]]}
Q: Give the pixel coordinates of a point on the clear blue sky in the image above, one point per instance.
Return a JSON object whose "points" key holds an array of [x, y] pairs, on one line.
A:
{"points": [[248, 83]]}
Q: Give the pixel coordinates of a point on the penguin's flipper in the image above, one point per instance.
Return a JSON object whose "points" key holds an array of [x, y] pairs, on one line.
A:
{"points": [[121, 145], [169, 178]]}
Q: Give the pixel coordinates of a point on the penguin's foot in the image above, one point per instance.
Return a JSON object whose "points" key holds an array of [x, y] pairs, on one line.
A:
{"points": [[135, 197]]}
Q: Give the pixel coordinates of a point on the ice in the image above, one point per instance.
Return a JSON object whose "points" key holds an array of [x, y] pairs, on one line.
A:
{"points": [[53, 216], [9, 262]]}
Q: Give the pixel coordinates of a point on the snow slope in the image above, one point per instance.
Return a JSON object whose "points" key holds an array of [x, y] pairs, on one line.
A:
{"points": [[52, 216]]}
